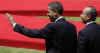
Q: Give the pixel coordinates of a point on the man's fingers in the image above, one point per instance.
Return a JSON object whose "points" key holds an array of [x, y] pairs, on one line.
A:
{"points": [[8, 15], [10, 18]]}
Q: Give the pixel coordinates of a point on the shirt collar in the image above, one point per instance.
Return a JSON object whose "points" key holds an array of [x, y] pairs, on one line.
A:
{"points": [[59, 18], [90, 22]]}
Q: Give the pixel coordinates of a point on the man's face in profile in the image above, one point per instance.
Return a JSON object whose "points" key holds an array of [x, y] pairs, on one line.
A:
{"points": [[52, 15], [84, 16]]}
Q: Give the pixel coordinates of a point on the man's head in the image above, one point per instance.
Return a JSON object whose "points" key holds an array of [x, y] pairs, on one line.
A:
{"points": [[89, 14], [55, 9]]}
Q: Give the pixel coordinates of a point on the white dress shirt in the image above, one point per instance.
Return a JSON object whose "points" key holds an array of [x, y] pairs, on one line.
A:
{"points": [[58, 18], [90, 22]]}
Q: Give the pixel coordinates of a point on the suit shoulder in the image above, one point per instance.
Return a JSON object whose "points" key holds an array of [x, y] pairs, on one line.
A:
{"points": [[71, 24], [51, 24]]}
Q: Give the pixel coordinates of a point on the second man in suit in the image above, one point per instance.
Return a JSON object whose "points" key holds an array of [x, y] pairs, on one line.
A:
{"points": [[89, 37]]}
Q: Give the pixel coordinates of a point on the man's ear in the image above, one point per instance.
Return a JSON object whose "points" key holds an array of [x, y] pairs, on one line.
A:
{"points": [[55, 14], [88, 17]]}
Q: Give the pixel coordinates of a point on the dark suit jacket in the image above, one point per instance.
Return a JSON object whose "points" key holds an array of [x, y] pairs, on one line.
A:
{"points": [[89, 39], [60, 36]]}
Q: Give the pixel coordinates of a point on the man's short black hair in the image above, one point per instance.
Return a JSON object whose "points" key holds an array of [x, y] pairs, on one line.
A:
{"points": [[92, 13], [56, 7]]}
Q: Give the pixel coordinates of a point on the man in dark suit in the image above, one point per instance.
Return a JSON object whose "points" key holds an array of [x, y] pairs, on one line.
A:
{"points": [[89, 37], [60, 35]]}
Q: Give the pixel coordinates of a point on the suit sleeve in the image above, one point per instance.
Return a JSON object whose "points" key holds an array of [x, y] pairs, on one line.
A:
{"points": [[82, 43], [33, 33]]}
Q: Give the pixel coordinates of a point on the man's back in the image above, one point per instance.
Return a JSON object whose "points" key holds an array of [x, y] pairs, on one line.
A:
{"points": [[63, 39], [90, 39]]}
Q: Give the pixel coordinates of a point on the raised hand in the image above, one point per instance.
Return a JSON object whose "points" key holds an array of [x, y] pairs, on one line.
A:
{"points": [[10, 18]]}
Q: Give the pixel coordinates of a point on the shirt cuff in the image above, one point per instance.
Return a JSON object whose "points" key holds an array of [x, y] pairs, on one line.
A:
{"points": [[14, 24]]}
